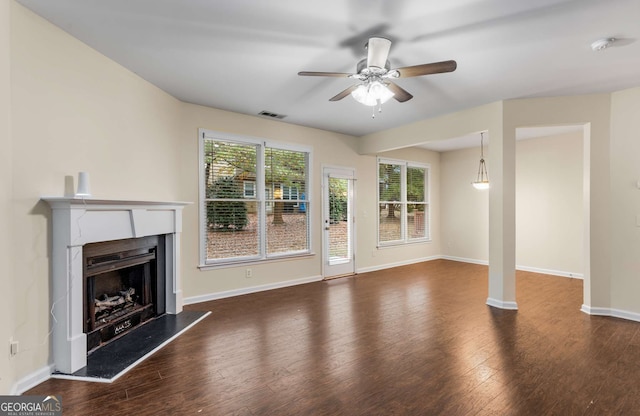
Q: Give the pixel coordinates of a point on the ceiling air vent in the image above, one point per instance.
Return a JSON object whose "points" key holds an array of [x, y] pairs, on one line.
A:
{"points": [[271, 115]]}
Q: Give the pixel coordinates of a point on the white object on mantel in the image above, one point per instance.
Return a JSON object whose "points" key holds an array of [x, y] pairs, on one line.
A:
{"points": [[83, 185], [77, 222]]}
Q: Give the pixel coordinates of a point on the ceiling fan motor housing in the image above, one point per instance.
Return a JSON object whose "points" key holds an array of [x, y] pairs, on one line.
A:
{"points": [[362, 68]]}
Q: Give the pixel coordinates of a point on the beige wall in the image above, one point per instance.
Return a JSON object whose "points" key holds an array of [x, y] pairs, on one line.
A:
{"points": [[549, 217], [625, 200], [549, 214], [465, 210], [72, 110], [6, 275]]}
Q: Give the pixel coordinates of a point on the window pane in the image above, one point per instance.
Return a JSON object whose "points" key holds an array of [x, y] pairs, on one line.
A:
{"points": [[249, 189], [287, 222], [231, 229], [285, 172], [389, 186], [231, 223], [286, 229], [389, 228], [415, 184], [339, 230], [230, 162], [417, 220]]}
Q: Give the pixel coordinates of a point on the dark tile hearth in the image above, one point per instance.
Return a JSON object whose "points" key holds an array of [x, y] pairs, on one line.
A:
{"points": [[114, 359]]}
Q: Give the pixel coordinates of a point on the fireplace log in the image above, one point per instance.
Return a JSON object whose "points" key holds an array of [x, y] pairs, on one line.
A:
{"points": [[111, 301]]}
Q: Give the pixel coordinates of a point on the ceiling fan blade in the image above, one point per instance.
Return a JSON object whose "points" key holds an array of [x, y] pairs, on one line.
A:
{"points": [[324, 74], [343, 94], [378, 52], [399, 93], [426, 69]]}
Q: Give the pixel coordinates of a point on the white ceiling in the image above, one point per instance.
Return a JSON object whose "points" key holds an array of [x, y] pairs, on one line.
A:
{"points": [[244, 55], [522, 133]]}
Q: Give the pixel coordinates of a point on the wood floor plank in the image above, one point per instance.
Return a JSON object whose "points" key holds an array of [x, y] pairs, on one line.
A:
{"points": [[412, 340]]}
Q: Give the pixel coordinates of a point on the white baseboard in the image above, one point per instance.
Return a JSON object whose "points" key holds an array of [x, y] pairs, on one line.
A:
{"points": [[465, 260], [512, 306], [32, 380], [397, 264], [246, 290], [550, 272], [615, 313], [523, 268]]}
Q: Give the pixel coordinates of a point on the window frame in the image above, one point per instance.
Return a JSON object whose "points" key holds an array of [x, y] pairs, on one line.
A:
{"points": [[252, 188], [261, 197], [405, 237]]}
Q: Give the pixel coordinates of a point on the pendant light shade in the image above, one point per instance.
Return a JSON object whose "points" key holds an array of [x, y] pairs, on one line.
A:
{"points": [[482, 181]]}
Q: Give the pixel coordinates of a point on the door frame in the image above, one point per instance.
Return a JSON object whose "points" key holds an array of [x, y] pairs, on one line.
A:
{"points": [[350, 174]]}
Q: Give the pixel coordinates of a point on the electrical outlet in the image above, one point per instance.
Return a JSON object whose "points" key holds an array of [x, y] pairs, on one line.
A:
{"points": [[248, 273], [13, 347]]}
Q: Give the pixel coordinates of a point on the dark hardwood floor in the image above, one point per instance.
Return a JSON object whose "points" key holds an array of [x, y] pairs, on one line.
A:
{"points": [[413, 340]]}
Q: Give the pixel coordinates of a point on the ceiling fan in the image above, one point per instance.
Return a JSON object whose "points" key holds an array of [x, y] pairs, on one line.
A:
{"points": [[375, 75]]}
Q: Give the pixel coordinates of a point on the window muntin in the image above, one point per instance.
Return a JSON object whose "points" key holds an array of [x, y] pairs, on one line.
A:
{"points": [[403, 207], [240, 223]]}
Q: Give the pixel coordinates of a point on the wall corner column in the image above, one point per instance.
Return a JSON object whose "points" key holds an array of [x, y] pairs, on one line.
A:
{"points": [[502, 219]]}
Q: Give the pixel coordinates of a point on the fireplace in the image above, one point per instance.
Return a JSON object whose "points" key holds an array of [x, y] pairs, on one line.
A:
{"points": [[123, 283], [100, 248]]}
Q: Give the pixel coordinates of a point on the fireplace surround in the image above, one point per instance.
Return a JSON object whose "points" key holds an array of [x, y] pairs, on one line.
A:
{"points": [[77, 223]]}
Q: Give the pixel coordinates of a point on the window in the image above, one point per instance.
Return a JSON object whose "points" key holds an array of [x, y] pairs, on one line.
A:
{"points": [[244, 184], [249, 189], [403, 202]]}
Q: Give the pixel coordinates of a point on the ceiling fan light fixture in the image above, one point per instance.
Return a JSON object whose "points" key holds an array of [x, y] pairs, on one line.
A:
{"points": [[372, 93], [602, 44]]}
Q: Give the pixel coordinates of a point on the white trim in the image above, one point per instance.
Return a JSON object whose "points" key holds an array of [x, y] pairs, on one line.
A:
{"points": [[32, 380], [396, 264], [465, 260], [571, 275], [615, 313], [522, 268], [508, 305], [247, 290]]}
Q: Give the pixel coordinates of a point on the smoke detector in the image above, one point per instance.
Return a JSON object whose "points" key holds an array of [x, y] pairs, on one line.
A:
{"points": [[602, 44]]}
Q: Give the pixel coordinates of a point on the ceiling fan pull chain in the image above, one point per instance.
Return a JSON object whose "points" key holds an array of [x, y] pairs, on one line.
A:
{"points": [[373, 112]]}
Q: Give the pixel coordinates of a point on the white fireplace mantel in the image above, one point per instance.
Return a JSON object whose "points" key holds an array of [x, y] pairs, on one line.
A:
{"points": [[77, 222]]}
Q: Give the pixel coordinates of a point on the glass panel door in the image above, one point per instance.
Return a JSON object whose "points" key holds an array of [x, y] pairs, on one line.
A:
{"points": [[338, 222]]}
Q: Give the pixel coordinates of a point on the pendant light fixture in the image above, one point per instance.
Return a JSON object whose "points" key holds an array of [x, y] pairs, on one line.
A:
{"points": [[482, 181]]}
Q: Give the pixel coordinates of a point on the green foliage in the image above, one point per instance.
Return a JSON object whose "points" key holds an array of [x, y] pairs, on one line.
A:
{"points": [[338, 199], [226, 215], [415, 184]]}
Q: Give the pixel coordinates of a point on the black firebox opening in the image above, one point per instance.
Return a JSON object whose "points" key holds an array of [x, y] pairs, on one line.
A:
{"points": [[124, 286]]}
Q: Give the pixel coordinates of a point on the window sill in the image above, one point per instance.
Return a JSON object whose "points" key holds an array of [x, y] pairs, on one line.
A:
{"points": [[403, 243], [227, 265]]}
